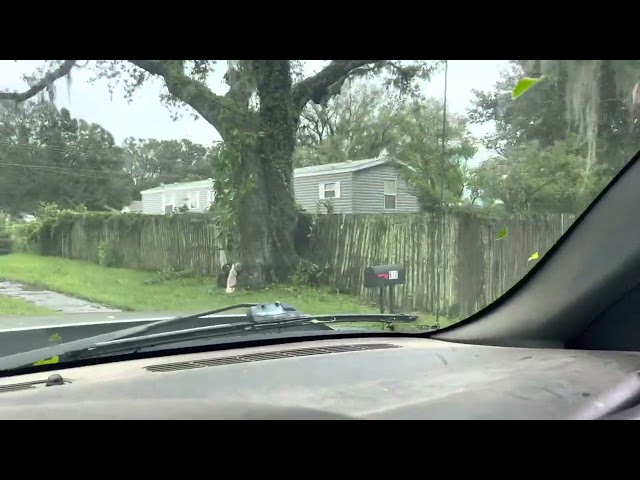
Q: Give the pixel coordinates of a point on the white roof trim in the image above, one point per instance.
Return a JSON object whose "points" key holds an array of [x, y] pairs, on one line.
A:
{"points": [[344, 167], [180, 186]]}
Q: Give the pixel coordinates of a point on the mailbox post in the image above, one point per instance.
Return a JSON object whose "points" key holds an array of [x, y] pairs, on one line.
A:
{"points": [[382, 276]]}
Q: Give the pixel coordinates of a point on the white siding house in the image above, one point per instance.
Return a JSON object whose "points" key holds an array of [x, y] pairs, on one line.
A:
{"points": [[373, 186], [197, 196]]}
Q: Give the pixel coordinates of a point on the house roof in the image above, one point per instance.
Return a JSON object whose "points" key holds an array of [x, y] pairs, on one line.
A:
{"points": [[180, 186], [343, 167]]}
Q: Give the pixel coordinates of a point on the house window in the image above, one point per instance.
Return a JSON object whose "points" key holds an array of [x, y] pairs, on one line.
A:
{"points": [[390, 194], [329, 190], [193, 200]]}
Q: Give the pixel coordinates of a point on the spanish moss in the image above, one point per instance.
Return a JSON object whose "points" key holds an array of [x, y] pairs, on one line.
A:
{"points": [[583, 78]]}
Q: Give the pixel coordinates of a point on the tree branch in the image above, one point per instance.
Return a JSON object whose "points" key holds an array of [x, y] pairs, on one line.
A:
{"points": [[192, 92], [242, 83], [328, 81], [46, 82]]}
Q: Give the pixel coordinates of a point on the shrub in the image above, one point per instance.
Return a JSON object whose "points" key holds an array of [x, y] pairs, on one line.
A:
{"points": [[6, 242], [26, 237], [107, 254]]}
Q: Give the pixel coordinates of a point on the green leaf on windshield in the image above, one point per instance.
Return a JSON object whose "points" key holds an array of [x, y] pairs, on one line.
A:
{"points": [[47, 361], [523, 85], [501, 233], [55, 338], [534, 256]]}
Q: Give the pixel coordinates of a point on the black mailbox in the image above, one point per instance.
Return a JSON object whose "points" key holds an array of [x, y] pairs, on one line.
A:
{"points": [[382, 276]]}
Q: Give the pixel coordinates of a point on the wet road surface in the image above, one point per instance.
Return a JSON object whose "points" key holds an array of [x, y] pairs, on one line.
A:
{"points": [[51, 300], [9, 322]]}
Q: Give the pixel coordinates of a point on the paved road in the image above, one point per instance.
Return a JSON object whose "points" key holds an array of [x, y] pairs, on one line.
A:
{"points": [[51, 300], [21, 334], [9, 322]]}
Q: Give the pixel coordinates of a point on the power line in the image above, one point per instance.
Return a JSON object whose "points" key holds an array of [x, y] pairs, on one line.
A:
{"points": [[57, 170], [71, 152], [60, 150]]}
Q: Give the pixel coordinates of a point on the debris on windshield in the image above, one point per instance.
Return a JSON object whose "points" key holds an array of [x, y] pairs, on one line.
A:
{"points": [[523, 85], [47, 361]]}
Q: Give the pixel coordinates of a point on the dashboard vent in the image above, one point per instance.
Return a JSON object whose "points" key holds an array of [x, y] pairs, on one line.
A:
{"points": [[16, 387], [259, 357]]}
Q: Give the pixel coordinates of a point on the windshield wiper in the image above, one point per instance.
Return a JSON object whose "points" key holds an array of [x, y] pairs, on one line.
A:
{"points": [[128, 332], [28, 358], [260, 317], [133, 344]]}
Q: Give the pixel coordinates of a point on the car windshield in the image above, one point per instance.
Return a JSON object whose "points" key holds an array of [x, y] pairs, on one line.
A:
{"points": [[145, 190]]}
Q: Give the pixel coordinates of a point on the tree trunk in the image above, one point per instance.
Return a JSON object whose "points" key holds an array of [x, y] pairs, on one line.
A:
{"points": [[267, 214]]}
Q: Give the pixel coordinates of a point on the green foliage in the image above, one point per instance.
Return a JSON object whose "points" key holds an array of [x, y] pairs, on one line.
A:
{"points": [[528, 177], [170, 275], [231, 184], [26, 236], [537, 116], [308, 273], [66, 160], [542, 161], [101, 235], [593, 90], [52, 222], [107, 254], [6, 241], [153, 162]]}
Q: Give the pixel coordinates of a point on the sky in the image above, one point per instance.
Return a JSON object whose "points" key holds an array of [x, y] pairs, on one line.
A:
{"points": [[146, 117]]}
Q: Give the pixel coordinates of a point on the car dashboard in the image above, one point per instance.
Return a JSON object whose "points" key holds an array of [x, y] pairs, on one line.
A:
{"points": [[363, 378]]}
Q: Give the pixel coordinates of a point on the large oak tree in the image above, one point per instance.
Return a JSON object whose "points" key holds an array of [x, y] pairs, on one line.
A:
{"points": [[259, 117]]}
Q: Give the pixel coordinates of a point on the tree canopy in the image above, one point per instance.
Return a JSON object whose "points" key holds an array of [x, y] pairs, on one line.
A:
{"points": [[258, 119], [48, 156]]}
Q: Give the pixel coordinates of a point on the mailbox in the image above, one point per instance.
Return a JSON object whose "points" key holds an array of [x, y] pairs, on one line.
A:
{"points": [[382, 276]]}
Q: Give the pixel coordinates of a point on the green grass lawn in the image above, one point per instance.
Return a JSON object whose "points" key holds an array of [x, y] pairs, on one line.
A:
{"points": [[16, 307], [131, 290]]}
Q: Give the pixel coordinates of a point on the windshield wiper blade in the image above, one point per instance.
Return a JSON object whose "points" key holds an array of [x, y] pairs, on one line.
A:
{"points": [[258, 317], [132, 344], [177, 320], [26, 359]]}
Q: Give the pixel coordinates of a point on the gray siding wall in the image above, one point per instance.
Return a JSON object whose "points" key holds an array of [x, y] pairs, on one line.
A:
{"points": [[368, 188], [307, 192], [152, 201]]}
